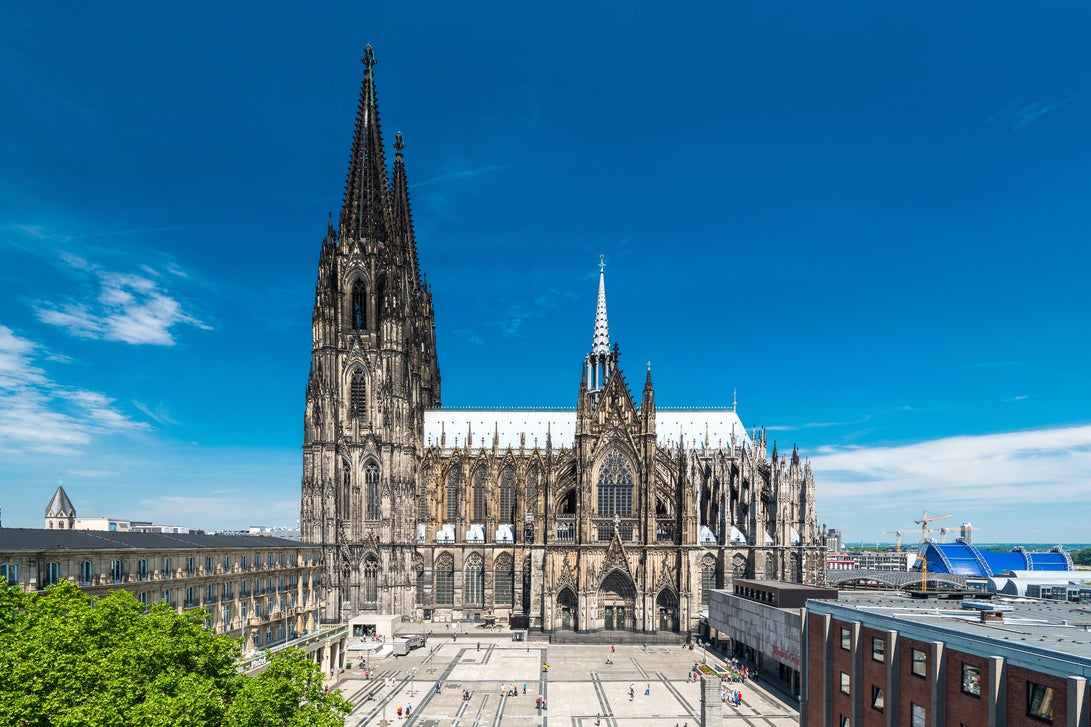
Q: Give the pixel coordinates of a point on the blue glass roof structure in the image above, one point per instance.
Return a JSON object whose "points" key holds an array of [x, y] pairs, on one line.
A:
{"points": [[963, 559]]}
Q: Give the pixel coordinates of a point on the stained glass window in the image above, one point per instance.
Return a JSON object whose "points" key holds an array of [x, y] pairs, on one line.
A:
{"points": [[615, 488], [371, 491], [479, 495], [507, 495], [454, 491], [359, 306], [358, 396]]}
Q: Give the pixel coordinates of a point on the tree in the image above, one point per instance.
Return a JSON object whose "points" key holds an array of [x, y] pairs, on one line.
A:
{"points": [[1082, 556], [68, 659]]}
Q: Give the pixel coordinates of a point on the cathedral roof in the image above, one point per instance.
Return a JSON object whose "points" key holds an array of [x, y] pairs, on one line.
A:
{"points": [[59, 505], [697, 428]]}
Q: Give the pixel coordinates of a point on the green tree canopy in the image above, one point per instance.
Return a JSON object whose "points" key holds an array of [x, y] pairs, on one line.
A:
{"points": [[67, 659], [1082, 556]]}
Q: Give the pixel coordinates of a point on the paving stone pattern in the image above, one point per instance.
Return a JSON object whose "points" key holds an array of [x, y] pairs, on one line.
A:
{"points": [[579, 687]]}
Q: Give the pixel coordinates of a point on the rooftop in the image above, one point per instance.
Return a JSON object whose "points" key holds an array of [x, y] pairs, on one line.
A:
{"points": [[1030, 631], [34, 539]]}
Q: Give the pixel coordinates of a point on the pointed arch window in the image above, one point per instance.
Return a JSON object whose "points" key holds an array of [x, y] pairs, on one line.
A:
{"points": [[475, 580], [533, 477], [505, 580], [708, 578], [359, 306], [507, 495], [371, 491], [615, 487], [445, 580], [371, 580], [479, 495], [358, 396], [454, 491]]}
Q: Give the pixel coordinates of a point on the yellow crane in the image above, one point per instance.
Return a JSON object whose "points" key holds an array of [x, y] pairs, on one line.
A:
{"points": [[898, 539], [923, 522]]}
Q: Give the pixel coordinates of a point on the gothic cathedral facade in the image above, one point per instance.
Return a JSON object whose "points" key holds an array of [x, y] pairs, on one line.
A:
{"points": [[617, 515]]}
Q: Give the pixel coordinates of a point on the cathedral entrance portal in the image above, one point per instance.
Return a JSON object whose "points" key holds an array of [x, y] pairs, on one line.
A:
{"points": [[667, 606], [618, 598], [567, 608]]}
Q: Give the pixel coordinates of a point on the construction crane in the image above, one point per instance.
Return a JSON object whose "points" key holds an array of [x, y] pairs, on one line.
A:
{"points": [[923, 522], [898, 539]]}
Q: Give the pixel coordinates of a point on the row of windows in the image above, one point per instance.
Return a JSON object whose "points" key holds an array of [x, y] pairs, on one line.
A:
{"points": [[51, 574], [1039, 697]]}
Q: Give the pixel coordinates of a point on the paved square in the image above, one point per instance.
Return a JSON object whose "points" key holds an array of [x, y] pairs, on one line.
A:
{"points": [[579, 687]]}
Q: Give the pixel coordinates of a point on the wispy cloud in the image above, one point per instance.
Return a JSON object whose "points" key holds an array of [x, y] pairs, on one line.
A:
{"points": [[1019, 116], [129, 308], [468, 336], [461, 174], [39, 415], [963, 474], [511, 324], [158, 414], [817, 425]]}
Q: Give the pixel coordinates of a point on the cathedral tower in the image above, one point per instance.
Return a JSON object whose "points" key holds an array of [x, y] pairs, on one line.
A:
{"points": [[373, 371]]}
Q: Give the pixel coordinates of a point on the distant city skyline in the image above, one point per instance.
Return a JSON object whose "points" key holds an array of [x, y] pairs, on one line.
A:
{"points": [[879, 211]]}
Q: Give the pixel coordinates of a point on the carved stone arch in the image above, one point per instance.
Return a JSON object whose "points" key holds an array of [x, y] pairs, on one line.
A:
{"points": [[738, 566], [565, 577], [443, 575], [568, 609], [355, 280], [668, 577], [666, 606]]}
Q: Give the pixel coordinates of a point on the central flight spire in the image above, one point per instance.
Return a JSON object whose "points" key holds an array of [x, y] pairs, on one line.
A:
{"points": [[601, 362], [601, 343]]}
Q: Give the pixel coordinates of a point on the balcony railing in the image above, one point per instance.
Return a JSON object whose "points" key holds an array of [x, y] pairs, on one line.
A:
{"points": [[566, 528]]}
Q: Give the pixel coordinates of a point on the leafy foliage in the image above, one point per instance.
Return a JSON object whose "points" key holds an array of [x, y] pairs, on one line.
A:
{"points": [[1082, 556], [67, 660]]}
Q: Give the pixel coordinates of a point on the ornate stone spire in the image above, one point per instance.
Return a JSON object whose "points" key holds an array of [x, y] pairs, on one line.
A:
{"points": [[402, 217], [601, 344], [364, 212]]}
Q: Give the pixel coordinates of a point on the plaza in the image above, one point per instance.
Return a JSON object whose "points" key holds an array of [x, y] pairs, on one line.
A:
{"points": [[578, 688]]}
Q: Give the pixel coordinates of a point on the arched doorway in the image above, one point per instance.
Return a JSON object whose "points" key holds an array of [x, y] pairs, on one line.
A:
{"points": [[617, 596], [567, 610], [666, 605]]}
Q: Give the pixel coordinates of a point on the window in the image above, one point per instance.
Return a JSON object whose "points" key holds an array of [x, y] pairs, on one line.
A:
{"points": [[10, 573], [475, 581], [420, 585], [167, 596], [917, 715], [1040, 701], [877, 698], [505, 579], [227, 617], [920, 663], [846, 639], [445, 580], [358, 396], [532, 490], [615, 486], [454, 491], [226, 591], [359, 306], [142, 597], [191, 567], [878, 649], [971, 680], [507, 495], [845, 721], [142, 569], [87, 573], [371, 580], [227, 564], [283, 560], [167, 571], [708, 581], [371, 491], [52, 574], [208, 565], [244, 562], [117, 571], [191, 598], [479, 495], [845, 685], [210, 593]]}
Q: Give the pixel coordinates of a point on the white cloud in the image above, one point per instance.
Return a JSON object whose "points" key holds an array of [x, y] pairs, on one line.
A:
{"points": [[965, 475], [39, 415], [128, 308]]}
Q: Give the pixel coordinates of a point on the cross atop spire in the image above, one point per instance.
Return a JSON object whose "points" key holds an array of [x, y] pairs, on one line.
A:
{"points": [[369, 57]]}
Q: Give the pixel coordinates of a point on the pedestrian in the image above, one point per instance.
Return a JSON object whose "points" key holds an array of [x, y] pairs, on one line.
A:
{"points": [[545, 705], [408, 710], [647, 689], [612, 649], [479, 646], [538, 703], [524, 687], [398, 709], [437, 688], [598, 719]]}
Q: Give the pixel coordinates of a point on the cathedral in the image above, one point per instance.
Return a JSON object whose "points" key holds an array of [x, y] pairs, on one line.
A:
{"points": [[617, 515]]}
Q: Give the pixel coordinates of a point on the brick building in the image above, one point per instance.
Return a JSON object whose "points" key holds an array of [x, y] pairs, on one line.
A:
{"points": [[883, 659]]}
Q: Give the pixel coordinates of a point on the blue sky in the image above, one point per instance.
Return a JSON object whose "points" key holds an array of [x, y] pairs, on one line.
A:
{"points": [[870, 219]]}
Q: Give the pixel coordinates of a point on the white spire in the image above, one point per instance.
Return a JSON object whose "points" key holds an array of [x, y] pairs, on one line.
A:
{"points": [[602, 330]]}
